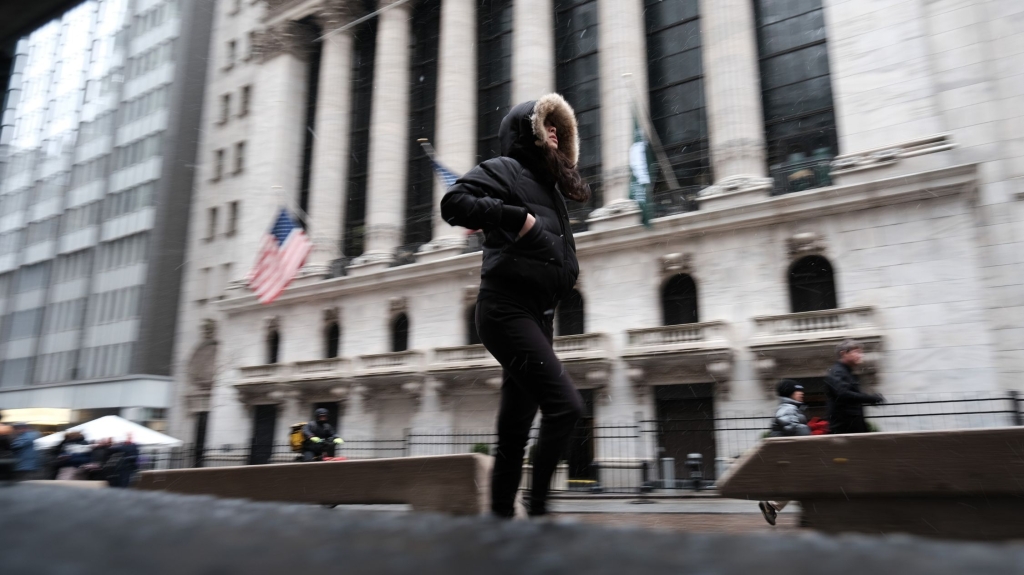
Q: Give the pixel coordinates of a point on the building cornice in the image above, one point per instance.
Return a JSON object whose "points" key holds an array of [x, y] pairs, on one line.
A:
{"points": [[946, 182]]}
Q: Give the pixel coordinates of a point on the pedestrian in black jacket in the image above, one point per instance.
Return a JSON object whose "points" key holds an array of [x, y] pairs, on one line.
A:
{"points": [[529, 264], [845, 400]]}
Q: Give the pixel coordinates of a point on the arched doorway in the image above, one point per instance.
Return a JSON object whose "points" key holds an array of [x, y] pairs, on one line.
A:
{"points": [[332, 340], [400, 333], [569, 317], [273, 346], [679, 300], [812, 285]]}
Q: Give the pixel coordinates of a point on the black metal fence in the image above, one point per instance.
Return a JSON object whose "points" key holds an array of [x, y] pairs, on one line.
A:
{"points": [[633, 457]]}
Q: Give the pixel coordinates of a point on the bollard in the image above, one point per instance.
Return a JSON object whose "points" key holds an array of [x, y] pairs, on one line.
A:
{"points": [[668, 473]]}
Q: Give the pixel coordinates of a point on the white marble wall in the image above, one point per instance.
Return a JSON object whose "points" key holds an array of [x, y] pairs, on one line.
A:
{"points": [[944, 274]]}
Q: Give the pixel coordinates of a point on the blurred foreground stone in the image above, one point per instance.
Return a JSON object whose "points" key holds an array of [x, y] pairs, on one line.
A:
{"points": [[958, 484], [46, 530], [457, 484]]}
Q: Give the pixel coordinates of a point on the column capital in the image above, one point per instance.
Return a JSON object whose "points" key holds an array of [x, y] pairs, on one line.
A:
{"points": [[334, 14], [381, 4], [287, 37]]}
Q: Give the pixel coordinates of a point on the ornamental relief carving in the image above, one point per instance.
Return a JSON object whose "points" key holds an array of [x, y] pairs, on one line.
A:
{"points": [[287, 37]]}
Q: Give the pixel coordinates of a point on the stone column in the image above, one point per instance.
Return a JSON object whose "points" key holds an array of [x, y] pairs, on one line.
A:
{"points": [[330, 148], [623, 69], [533, 49], [389, 141], [732, 90], [455, 134], [278, 133]]}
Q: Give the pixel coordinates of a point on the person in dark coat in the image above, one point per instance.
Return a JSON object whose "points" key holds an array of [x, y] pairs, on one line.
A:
{"points": [[319, 437], [842, 390], [122, 463], [529, 264]]}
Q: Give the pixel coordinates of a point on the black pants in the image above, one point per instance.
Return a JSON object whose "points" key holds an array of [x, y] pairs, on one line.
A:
{"points": [[519, 336], [312, 450]]}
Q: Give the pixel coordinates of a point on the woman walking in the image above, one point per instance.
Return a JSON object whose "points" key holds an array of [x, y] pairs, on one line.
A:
{"points": [[529, 264]]}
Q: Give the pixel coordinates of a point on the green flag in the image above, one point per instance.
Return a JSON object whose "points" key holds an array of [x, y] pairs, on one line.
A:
{"points": [[640, 173]]}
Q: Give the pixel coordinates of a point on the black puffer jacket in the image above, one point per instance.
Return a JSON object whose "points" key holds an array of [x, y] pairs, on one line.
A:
{"points": [[496, 196], [846, 401]]}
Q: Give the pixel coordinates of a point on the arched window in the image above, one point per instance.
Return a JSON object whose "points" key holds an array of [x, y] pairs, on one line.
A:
{"points": [[679, 300], [332, 339], [812, 286], [273, 345], [472, 337], [569, 318], [400, 333]]}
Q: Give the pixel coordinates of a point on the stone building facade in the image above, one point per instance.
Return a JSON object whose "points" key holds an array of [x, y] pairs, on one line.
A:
{"points": [[827, 169]]}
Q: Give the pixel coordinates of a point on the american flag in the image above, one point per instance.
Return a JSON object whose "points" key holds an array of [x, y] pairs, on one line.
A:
{"points": [[282, 253]]}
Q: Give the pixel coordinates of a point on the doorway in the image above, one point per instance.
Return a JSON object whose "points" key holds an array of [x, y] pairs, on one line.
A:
{"points": [[581, 446], [264, 422], [686, 424], [199, 447]]}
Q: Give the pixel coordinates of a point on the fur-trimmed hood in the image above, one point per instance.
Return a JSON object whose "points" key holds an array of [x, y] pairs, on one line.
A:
{"points": [[522, 132]]}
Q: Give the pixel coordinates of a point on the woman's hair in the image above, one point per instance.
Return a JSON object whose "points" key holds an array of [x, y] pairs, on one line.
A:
{"points": [[568, 178]]}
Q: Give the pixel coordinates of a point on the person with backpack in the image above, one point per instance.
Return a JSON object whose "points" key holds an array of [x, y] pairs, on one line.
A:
{"points": [[529, 265], [789, 421], [319, 438]]}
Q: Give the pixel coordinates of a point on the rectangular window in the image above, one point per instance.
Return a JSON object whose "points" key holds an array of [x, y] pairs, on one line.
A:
{"points": [[230, 57], [364, 46], [204, 284], [218, 165], [243, 105], [494, 73], [232, 218], [576, 78], [211, 224], [250, 45], [676, 78], [239, 157], [796, 89], [225, 108], [225, 280], [419, 203]]}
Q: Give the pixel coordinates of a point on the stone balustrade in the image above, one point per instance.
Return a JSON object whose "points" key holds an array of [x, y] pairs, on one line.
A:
{"points": [[461, 354], [258, 373], [569, 346], [390, 362], [676, 335], [328, 368], [814, 322]]}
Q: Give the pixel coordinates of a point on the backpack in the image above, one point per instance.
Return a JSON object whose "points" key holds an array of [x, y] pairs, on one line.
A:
{"points": [[296, 437]]}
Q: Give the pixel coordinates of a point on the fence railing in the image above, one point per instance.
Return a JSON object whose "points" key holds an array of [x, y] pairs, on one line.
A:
{"points": [[633, 457]]}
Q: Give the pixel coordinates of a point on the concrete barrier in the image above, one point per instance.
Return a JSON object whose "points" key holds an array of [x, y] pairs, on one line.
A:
{"points": [[964, 484], [77, 483], [455, 484]]}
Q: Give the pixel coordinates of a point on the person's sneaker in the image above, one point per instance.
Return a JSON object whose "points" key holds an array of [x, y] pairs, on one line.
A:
{"points": [[769, 511]]}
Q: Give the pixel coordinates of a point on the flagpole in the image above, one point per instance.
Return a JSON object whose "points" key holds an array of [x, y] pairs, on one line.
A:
{"points": [[359, 21], [647, 125]]}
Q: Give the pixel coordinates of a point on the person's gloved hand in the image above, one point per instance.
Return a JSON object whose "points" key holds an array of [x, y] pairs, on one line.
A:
{"points": [[315, 439], [338, 441], [879, 399]]}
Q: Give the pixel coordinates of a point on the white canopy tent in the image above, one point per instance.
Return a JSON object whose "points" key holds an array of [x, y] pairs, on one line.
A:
{"points": [[114, 427]]}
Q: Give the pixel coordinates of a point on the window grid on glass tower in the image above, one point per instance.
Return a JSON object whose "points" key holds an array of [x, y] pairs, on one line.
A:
{"points": [[796, 88], [577, 79], [494, 73], [676, 84], [419, 203], [364, 48]]}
